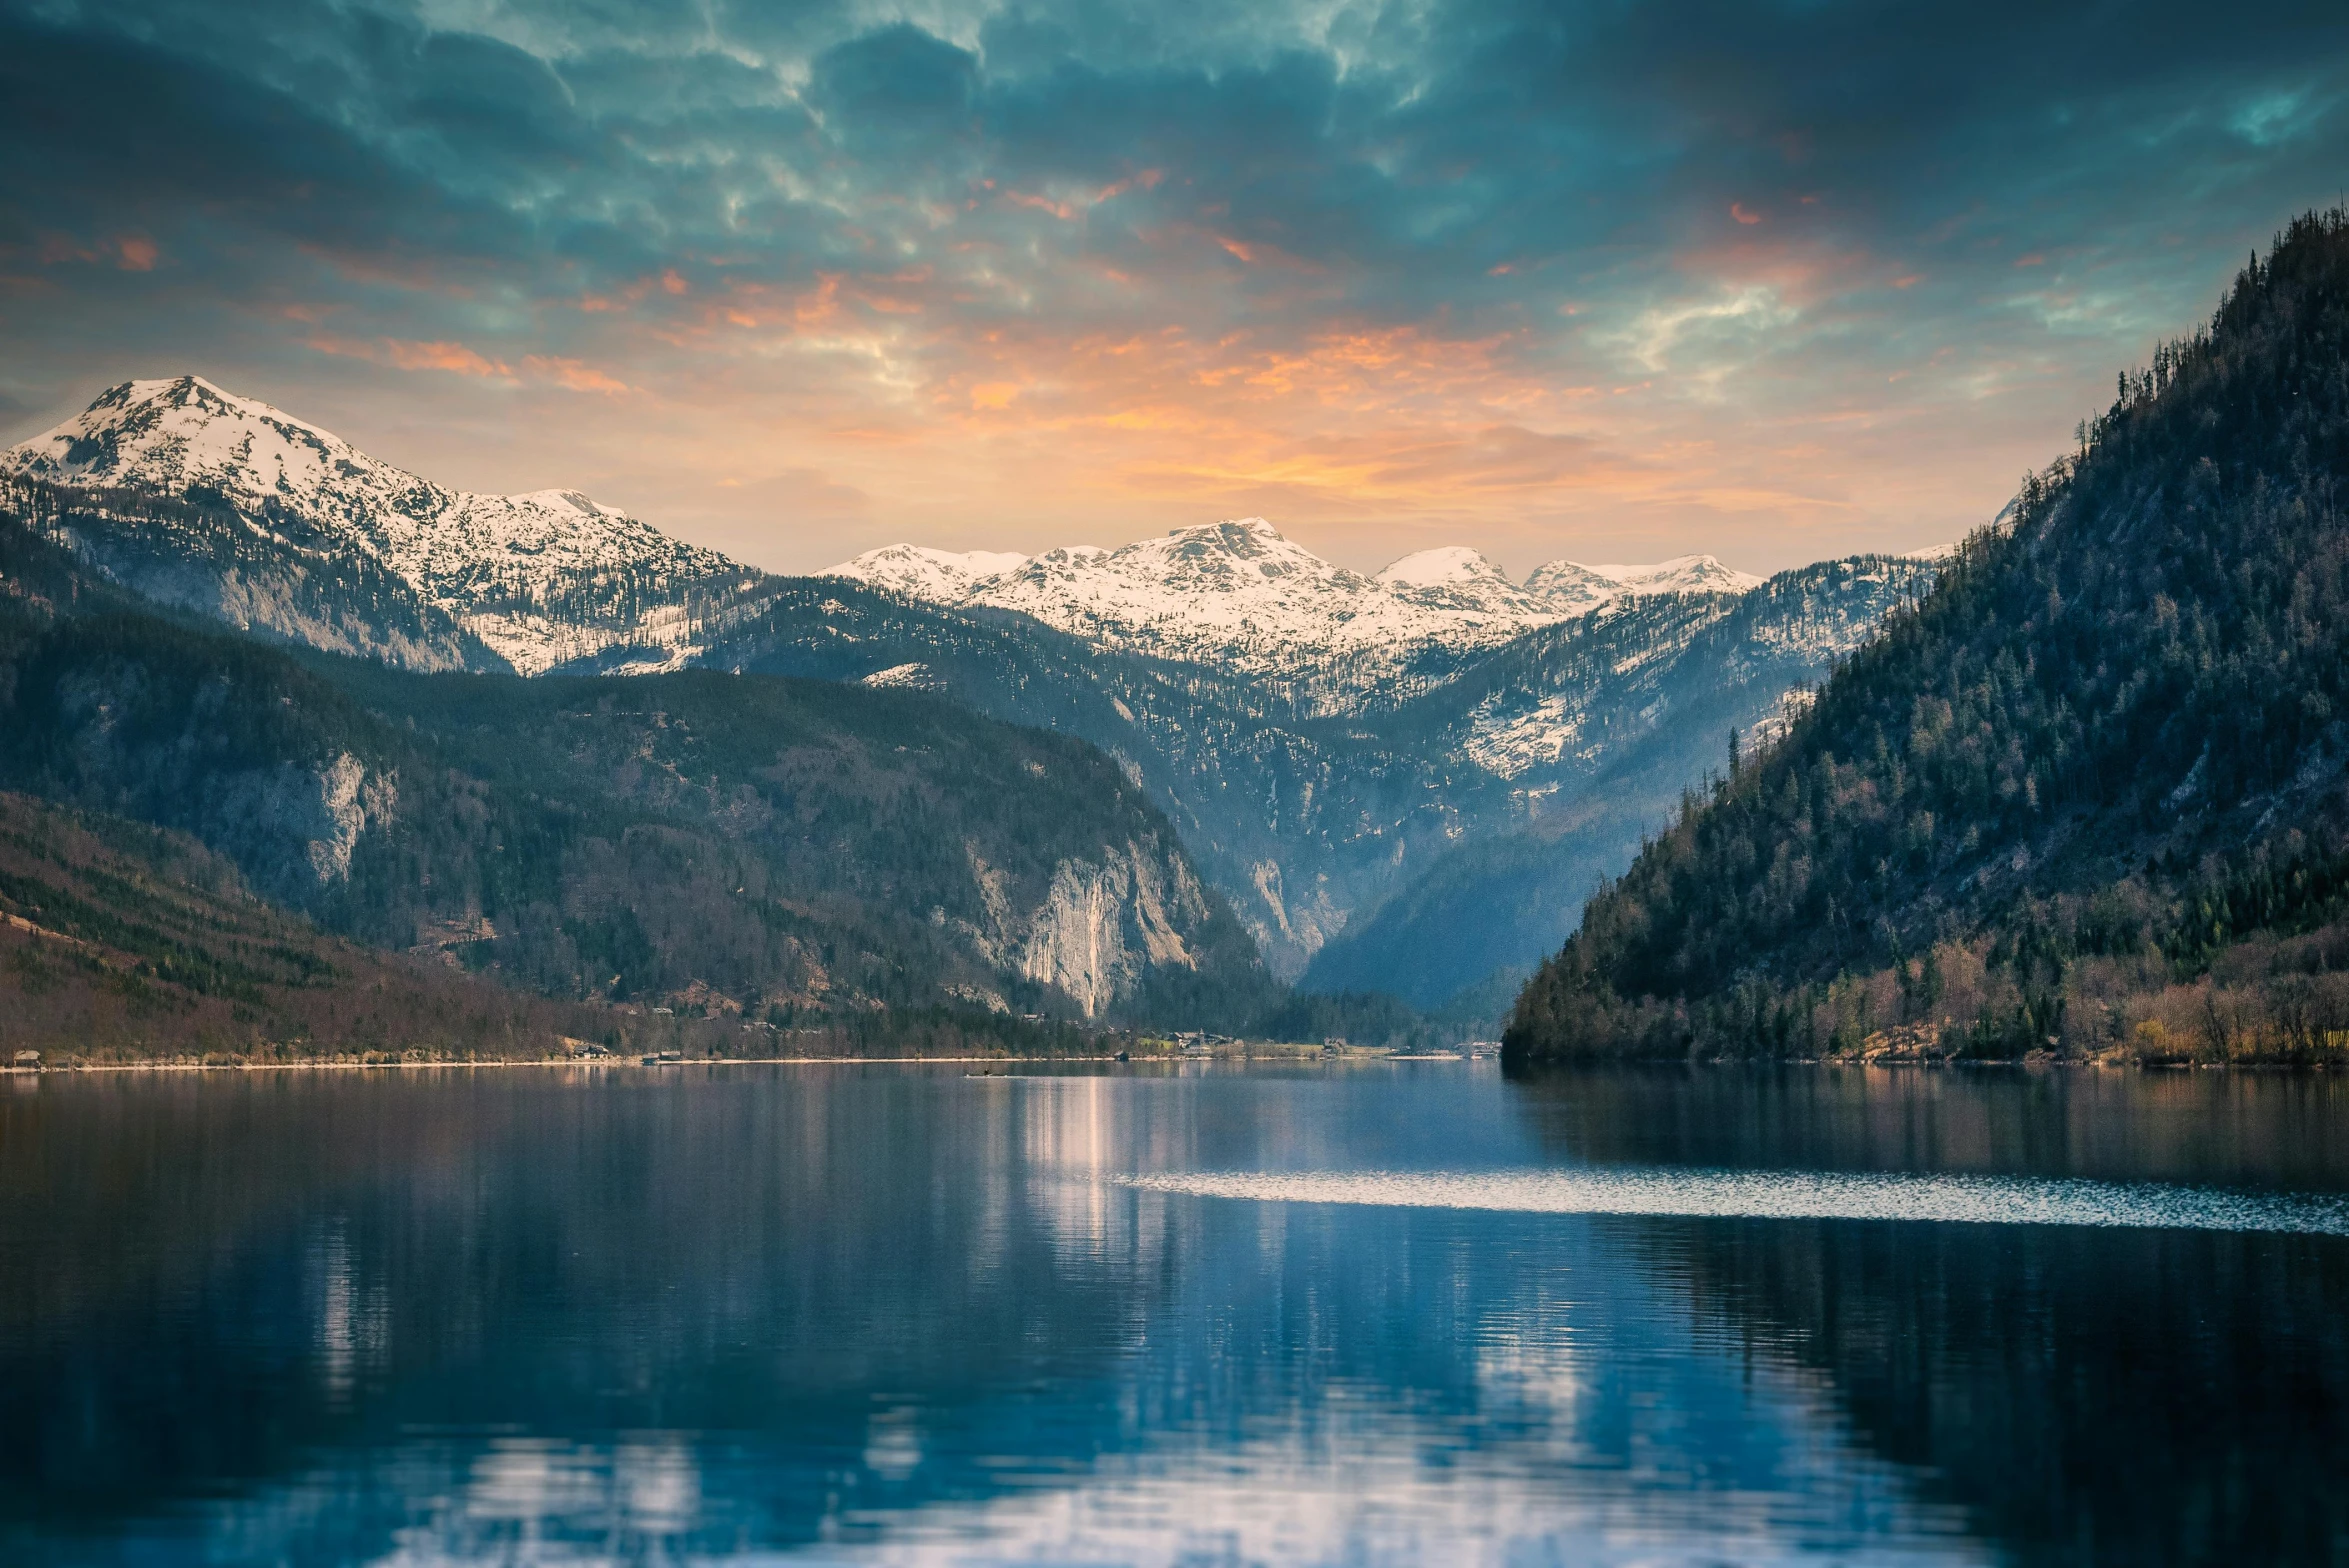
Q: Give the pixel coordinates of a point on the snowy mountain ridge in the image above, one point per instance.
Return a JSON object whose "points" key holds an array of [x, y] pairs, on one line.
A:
{"points": [[1478, 710], [548, 576], [539, 577], [1242, 596]]}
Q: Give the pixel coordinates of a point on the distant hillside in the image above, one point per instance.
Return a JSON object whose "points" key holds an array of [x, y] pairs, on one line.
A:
{"points": [[784, 850], [119, 940], [2088, 796]]}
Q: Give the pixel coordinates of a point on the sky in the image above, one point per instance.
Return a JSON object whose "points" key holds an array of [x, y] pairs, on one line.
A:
{"points": [[1771, 279]]}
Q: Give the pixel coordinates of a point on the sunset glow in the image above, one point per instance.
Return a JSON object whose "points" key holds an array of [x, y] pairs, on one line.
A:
{"points": [[799, 282]]}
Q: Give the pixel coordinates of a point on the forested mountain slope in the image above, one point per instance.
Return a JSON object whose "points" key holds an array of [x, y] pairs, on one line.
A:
{"points": [[2088, 795], [123, 940], [783, 849]]}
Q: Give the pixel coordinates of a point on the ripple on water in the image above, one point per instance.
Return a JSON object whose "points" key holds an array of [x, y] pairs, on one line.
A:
{"points": [[1841, 1195]]}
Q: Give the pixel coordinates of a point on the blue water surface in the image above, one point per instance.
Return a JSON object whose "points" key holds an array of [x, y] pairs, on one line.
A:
{"points": [[1356, 1314]]}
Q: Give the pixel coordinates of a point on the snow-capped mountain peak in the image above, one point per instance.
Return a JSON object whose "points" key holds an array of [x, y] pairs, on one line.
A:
{"points": [[1440, 568], [919, 572], [1577, 588], [177, 432], [1241, 595], [511, 568], [1456, 577], [1680, 574]]}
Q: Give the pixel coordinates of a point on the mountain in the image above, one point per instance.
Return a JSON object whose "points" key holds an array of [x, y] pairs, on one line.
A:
{"points": [[1311, 824], [277, 523], [1596, 726], [2091, 795], [119, 940], [1576, 588], [1240, 597], [790, 851], [1334, 750]]}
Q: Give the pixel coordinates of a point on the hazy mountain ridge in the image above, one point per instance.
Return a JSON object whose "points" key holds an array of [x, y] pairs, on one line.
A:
{"points": [[1607, 720], [1309, 824]]}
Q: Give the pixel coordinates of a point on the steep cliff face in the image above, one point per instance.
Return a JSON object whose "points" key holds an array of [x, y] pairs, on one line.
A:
{"points": [[1103, 925]]}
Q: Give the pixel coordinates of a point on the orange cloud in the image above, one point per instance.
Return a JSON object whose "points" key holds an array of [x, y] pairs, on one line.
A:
{"points": [[573, 374], [1059, 209], [453, 357], [138, 253]]}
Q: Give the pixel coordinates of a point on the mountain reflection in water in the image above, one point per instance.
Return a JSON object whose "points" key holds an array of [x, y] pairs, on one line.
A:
{"points": [[900, 1315]]}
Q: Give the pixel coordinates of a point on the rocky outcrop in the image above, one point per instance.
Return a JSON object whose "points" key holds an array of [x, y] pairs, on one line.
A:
{"points": [[1101, 927], [293, 828]]}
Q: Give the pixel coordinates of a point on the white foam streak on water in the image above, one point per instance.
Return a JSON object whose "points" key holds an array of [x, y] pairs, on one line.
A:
{"points": [[1841, 1195]]}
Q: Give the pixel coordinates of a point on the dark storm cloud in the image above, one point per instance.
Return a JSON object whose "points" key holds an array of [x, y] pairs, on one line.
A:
{"points": [[1408, 151]]}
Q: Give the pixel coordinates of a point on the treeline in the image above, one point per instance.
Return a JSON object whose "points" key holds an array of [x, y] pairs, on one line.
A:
{"points": [[2087, 796]]}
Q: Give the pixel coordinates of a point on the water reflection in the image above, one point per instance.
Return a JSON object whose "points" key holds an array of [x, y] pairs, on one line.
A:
{"points": [[896, 1315]]}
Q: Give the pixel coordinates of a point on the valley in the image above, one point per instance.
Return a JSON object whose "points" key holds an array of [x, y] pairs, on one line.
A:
{"points": [[1400, 783]]}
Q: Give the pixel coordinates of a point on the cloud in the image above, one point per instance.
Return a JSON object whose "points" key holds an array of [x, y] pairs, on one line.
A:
{"points": [[1429, 261], [572, 374], [455, 358]]}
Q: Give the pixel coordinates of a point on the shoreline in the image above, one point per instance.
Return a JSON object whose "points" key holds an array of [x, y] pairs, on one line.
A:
{"points": [[1238, 1058], [328, 1064]]}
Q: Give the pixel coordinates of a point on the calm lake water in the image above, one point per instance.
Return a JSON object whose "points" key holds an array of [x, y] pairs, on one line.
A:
{"points": [[1391, 1314]]}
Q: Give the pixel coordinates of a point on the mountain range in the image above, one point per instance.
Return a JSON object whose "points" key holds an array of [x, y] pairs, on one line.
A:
{"points": [[1403, 781], [780, 853], [1240, 597]]}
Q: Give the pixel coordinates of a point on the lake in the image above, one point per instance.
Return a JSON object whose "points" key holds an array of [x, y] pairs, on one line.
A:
{"points": [[1356, 1314]]}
